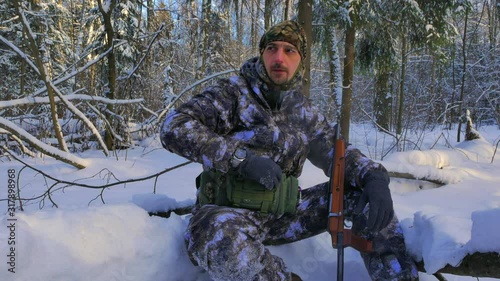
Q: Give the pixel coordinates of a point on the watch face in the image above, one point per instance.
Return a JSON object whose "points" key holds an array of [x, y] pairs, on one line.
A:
{"points": [[240, 153]]}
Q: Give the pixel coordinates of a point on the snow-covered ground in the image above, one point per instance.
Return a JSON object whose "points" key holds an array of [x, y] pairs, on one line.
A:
{"points": [[84, 239]]}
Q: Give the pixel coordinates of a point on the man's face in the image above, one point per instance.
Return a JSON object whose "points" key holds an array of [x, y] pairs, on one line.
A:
{"points": [[281, 60]]}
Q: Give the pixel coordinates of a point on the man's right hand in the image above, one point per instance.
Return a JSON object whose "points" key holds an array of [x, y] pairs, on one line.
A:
{"points": [[260, 169]]}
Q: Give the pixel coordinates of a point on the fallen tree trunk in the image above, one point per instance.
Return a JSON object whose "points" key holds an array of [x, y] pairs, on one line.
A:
{"points": [[412, 177], [475, 265]]}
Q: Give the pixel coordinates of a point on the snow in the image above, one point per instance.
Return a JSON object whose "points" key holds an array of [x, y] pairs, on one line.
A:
{"points": [[106, 5], [483, 224], [84, 239], [116, 242]]}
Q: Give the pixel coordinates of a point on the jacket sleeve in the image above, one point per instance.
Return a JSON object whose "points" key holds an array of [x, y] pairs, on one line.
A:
{"points": [[358, 167], [196, 129], [321, 150]]}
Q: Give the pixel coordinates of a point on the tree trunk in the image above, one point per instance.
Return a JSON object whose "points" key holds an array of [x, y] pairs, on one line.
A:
{"points": [[203, 39], [453, 113], [401, 96], [108, 27], [267, 13], [464, 69], [382, 102], [345, 113], [44, 75], [238, 13], [335, 80], [150, 5], [288, 9], [305, 19]]}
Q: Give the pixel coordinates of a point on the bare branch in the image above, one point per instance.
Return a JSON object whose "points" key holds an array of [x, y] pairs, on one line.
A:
{"points": [[24, 149], [110, 128], [160, 29], [160, 116], [73, 183]]}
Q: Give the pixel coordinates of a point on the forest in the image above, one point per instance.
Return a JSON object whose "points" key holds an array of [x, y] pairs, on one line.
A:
{"points": [[102, 74]]}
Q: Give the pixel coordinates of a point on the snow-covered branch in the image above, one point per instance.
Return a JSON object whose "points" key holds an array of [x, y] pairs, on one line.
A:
{"points": [[82, 116], [46, 149], [45, 100], [19, 53]]}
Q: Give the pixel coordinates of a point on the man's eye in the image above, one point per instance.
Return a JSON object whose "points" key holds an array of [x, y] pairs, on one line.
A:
{"points": [[271, 48], [291, 50]]}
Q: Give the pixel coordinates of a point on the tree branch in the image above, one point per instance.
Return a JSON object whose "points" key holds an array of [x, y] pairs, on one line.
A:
{"points": [[73, 183], [43, 100], [60, 155], [160, 116]]}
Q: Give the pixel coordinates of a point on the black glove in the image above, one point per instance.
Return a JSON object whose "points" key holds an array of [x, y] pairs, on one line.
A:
{"points": [[260, 169], [376, 192]]}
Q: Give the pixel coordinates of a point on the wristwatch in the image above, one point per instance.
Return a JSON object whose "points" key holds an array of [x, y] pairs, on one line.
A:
{"points": [[239, 155]]}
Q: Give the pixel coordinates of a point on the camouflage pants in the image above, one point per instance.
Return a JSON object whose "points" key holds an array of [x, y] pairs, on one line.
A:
{"points": [[229, 243]]}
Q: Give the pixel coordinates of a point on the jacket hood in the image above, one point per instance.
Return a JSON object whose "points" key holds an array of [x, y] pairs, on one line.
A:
{"points": [[255, 72]]}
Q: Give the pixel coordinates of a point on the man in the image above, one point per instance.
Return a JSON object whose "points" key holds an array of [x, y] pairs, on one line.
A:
{"points": [[252, 133]]}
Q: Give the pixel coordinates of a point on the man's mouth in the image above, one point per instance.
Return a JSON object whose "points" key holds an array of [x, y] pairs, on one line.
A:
{"points": [[278, 69]]}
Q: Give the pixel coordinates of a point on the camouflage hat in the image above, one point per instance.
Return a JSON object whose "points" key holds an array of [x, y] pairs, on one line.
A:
{"points": [[287, 31]]}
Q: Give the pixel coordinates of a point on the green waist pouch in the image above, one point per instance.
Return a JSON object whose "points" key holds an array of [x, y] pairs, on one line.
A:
{"points": [[229, 190]]}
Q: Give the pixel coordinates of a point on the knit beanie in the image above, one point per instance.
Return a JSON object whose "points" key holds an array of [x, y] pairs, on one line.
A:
{"points": [[287, 31]]}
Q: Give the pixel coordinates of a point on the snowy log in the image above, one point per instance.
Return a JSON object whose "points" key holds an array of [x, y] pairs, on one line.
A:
{"points": [[413, 177], [476, 265]]}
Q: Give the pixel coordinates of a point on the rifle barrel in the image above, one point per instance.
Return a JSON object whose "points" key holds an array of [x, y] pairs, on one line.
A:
{"points": [[340, 257]]}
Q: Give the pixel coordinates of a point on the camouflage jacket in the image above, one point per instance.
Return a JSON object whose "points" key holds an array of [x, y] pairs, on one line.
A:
{"points": [[245, 111]]}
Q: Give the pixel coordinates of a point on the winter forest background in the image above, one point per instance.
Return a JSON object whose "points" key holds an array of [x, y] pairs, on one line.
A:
{"points": [[102, 74]]}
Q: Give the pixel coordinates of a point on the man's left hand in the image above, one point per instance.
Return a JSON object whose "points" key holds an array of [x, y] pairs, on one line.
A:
{"points": [[377, 193]]}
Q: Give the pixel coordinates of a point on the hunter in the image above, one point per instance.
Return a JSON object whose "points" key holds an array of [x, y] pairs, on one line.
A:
{"points": [[252, 134]]}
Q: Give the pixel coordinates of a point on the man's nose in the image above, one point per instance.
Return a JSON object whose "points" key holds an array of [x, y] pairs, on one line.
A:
{"points": [[279, 55]]}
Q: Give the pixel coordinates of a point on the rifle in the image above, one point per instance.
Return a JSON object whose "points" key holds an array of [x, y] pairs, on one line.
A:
{"points": [[341, 237]]}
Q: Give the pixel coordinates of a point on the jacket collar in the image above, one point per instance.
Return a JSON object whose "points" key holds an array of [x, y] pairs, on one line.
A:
{"points": [[255, 74]]}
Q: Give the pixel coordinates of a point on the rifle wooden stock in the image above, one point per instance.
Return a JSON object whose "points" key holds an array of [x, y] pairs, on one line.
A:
{"points": [[336, 212]]}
